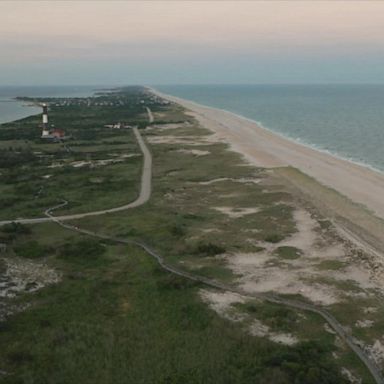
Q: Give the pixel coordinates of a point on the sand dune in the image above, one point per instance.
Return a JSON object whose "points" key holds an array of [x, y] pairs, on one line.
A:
{"points": [[264, 148], [350, 193]]}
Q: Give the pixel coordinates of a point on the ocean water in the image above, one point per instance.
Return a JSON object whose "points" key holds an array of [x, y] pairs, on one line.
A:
{"points": [[344, 120], [11, 109]]}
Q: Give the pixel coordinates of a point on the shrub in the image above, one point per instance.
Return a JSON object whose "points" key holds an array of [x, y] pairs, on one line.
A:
{"points": [[16, 228], [209, 249], [273, 238], [287, 252], [171, 281], [32, 250], [85, 249], [178, 230]]}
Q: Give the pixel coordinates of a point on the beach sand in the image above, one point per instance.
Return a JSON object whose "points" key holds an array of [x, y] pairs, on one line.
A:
{"points": [[352, 193]]}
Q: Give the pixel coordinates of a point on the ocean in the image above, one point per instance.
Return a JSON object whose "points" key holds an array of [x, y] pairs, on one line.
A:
{"points": [[11, 109], [343, 120]]}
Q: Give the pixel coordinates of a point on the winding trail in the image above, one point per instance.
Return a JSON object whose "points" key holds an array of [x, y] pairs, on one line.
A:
{"points": [[145, 193]]}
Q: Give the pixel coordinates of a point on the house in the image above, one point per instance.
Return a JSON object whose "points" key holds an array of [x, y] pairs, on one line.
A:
{"points": [[57, 133]]}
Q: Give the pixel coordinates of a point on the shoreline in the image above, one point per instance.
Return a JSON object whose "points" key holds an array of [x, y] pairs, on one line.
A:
{"points": [[23, 108], [263, 147], [260, 125], [304, 143]]}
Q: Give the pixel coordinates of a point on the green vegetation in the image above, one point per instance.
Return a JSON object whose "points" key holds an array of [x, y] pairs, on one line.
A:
{"points": [[208, 249], [116, 316], [32, 250], [331, 264], [10, 232], [82, 251], [89, 171], [128, 321], [273, 238], [289, 253]]}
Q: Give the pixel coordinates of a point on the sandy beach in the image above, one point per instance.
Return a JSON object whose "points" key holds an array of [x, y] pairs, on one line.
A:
{"points": [[363, 187]]}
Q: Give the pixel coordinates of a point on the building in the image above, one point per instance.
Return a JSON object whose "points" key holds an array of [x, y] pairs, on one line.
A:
{"points": [[53, 134], [45, 132], [58, 133]]}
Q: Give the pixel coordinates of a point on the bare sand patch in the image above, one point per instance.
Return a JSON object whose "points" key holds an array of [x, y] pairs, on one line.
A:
{"points": [[209, 182], [364, 323], [184, 140], [239, 180], [211, 230], [164, 127], [118, 158], [101, 162], [235, 213], [377, 351], [257, 328], [370, 310], [56, 165], [350, 376], [25, 276], [283, 338], [194, 152], [305, 237], [265, 271], [222, 304]]}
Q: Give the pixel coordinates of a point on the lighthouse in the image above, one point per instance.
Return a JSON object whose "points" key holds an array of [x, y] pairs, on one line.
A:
{"points": [[45, 132]]}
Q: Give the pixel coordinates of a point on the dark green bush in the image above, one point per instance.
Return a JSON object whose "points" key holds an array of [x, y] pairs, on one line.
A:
{"points": [[170, 281], [16, 228], [209, 249], [82, 250], [32, 250], [274, 238]]}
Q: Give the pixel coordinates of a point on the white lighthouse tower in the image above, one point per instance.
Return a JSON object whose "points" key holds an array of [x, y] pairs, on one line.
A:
{"points": [[45, 132]]}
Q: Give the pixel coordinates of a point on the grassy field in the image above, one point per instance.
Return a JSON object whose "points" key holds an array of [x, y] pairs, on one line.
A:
{"points": [[115, 316]]}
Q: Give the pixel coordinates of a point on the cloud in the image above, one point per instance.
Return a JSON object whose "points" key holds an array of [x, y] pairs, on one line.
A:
{"points": [[190, 36]]}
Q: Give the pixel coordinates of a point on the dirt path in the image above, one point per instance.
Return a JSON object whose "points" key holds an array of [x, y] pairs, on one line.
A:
{"points": [[150, 115]]}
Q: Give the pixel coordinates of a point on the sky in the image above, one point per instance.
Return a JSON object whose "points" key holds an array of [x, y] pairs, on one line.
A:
{"points": [[191, 42]]}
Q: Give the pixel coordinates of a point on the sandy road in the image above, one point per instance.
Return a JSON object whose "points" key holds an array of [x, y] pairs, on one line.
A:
{"points": [[150, 115]]}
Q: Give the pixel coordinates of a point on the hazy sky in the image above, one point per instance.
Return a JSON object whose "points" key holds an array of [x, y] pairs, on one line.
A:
{"points": [[159, 42]]}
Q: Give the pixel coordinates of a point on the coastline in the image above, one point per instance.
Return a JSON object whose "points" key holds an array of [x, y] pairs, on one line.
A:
{"points": [[286, 134], [9, 94], [265, 148], [22, 112], [348, 194], [260, 125]]}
